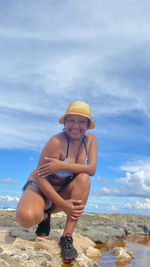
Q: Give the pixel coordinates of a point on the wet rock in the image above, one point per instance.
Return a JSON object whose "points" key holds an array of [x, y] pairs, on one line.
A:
{"points": [[122, 255]]}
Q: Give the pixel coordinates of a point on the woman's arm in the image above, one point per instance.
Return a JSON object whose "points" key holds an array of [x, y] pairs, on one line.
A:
{"points": [[88, 168], [51, 149], [54, 165]]}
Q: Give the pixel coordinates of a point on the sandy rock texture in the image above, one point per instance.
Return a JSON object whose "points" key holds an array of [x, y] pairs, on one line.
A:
{"points": [[22, 248], [101, 228]]}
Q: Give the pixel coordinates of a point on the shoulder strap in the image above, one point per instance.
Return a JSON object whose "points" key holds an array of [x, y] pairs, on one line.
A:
{"points": [[84, 143], [67, 146]]}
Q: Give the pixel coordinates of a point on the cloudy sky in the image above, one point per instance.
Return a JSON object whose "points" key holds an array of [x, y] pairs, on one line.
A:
{"points": [[55, 52]]}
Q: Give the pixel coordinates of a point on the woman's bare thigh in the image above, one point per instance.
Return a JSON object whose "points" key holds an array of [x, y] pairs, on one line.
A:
{"points": [[33, 200]]}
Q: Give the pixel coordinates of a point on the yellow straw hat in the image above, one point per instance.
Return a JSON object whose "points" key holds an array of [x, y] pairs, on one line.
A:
{"points": [[79, 108]]}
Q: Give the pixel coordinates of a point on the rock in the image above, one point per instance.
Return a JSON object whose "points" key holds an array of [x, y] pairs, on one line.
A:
{"points": [[84, 261], [23, 234], [93, 252], [43, 263], [122, 255], [19, 255], [4, 263], [103, 228], [111, 226], [107, 234], [91, 229], [41, 251], [82, 242], [8, 260], [8, 219], [49, 245], [1, 250]]}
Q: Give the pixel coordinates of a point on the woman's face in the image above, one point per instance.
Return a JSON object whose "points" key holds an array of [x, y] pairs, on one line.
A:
{"points": [[76, 126]]}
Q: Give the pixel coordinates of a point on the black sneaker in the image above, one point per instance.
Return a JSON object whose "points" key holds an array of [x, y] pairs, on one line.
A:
{"points": [[44, 227], [69, 253]]}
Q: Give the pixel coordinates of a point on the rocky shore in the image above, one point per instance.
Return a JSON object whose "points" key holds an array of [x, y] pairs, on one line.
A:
{"points": [[20, 247]]}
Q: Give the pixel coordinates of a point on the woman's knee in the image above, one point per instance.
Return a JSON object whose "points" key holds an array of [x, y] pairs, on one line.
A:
{"points": [[83, 179], [27, 217]]}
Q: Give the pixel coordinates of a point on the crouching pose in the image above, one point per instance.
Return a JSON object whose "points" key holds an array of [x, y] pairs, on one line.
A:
{"points": [[61, 181]]}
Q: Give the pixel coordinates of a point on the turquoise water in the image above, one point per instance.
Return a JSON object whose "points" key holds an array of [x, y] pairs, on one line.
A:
{"points": [[139, 245]]}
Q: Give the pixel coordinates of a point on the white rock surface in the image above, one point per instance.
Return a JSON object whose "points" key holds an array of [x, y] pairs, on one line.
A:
{"points": [[93, 252], [122, 254], [24, 249]]}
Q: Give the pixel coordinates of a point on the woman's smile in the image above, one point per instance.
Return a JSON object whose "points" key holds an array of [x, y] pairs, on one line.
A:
{"points": [[76, 125]]}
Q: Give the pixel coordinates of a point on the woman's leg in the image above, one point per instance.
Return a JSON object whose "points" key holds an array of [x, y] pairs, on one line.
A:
{"points": [[30, 210], [31, 206], [78, 189]]}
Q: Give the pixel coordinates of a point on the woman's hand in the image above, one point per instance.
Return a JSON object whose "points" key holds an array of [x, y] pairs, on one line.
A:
{"points": [[52, 166], [73, 208]]}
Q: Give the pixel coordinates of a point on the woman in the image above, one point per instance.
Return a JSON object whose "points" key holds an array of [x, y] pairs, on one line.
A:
{"points": [[61, 181]]}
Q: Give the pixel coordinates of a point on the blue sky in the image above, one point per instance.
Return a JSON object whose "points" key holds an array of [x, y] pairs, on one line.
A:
{"points": [[55, 52]]}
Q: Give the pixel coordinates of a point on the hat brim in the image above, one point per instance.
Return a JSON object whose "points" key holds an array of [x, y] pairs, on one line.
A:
{"points": [[91, 126]]}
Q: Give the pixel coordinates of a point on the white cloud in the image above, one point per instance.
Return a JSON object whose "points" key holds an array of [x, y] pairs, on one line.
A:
{"points": [[136, 182], [138, 205], [9, 181], [8, 198], [107, 191], [136, 165], [119, 204], [52, 54], [46, 63], [128, 206], [143, 205], [8, 201]]}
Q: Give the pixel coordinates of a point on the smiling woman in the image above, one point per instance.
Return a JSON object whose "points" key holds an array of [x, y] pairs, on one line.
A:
{"points": [[61, 181], [76, 125]]}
